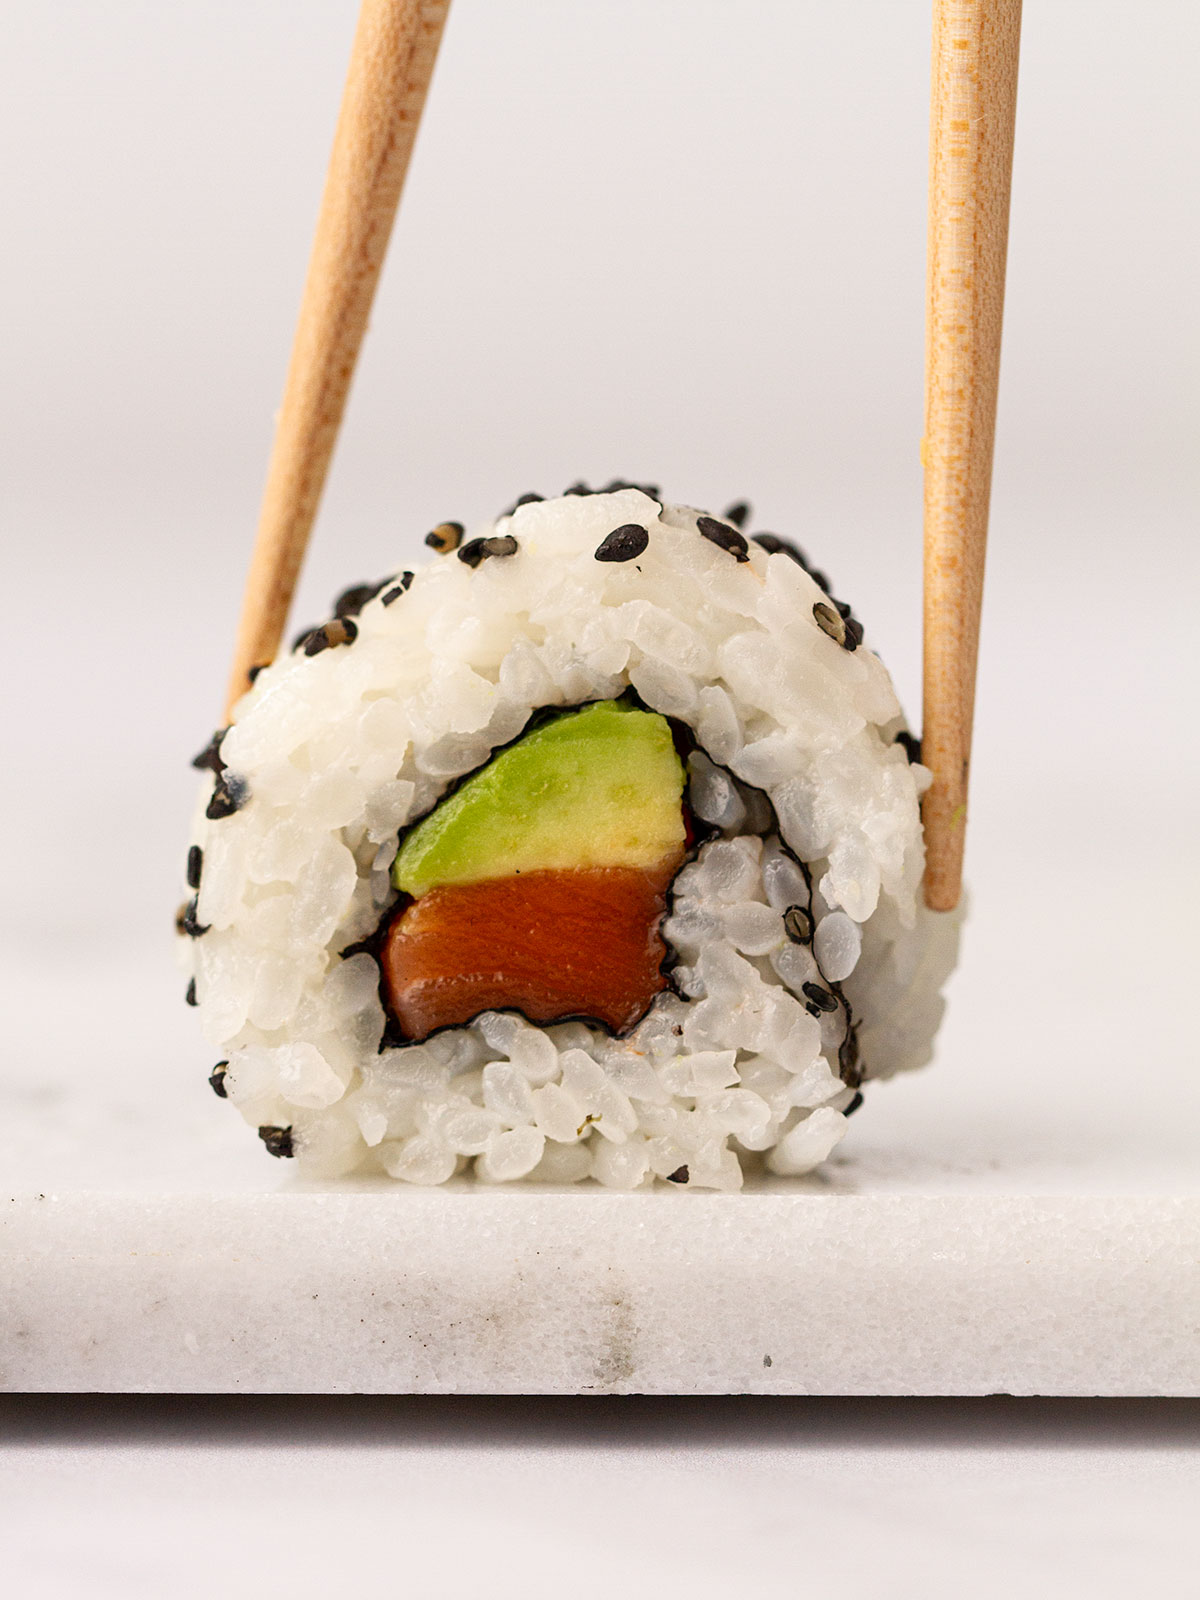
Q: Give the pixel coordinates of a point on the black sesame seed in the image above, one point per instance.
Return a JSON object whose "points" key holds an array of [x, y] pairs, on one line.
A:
{"points": [[727, 538], [738, 513], [909, 744], [209, 759], [522, 500], [229, 795], [445, 537], [351, 601], [477, 550], [624, 543], [840, 606], [578, 487], [776, 545], [401, 585], [854, 1105], [854, 633], [277, 1140], [188, 924], [195, 862], [650, 490], [253, 672], [216, 1079], [819, 996], [829, 622], [812, 1008], [680, 1175], [797, 924], [342, 630], [190, 996]]}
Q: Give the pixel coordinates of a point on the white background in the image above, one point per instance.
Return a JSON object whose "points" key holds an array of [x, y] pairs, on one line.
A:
{"points": [[680, 241]]}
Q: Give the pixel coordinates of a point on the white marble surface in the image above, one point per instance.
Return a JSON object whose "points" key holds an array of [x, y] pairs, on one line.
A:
{"points": [[1024, 1217]]}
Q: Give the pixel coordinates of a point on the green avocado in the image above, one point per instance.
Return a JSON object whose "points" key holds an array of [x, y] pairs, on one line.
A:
{"points": [[598, 787]]}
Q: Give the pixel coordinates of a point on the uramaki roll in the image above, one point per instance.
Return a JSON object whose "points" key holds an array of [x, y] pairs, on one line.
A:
{"points": [[591, 849]]}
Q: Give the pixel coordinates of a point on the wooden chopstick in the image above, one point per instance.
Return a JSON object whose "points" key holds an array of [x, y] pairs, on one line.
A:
{"points": [[972, 113], [391, 62]]}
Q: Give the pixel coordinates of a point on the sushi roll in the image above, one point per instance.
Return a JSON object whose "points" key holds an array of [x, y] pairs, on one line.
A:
{"points": [[591, 849]]}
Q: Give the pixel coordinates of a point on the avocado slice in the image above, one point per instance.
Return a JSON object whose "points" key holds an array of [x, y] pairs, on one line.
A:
{"points": [[597, 787]]}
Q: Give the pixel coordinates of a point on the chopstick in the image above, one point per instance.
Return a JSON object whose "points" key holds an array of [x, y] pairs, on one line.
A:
{"points": [[972, 113], [391, 62]]}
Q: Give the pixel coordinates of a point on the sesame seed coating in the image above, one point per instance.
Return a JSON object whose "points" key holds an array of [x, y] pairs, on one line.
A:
{"points": [[727, 538], [624, 543], [445, 537], [277, 1140], [477, 550], [229, 795], [820, 997]]}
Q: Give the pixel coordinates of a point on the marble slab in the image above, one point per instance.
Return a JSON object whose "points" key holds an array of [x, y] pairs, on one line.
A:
{"points": [[510, 1292]]}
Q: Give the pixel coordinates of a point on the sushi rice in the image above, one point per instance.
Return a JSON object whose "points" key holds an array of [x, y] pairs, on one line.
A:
{"points": [[803, 963]]}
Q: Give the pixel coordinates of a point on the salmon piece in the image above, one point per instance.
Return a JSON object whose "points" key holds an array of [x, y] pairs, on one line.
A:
{"points": [[572, 942]]}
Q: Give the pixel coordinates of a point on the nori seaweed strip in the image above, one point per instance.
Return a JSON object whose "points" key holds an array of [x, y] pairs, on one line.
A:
{"points": [[848, 1058]]}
